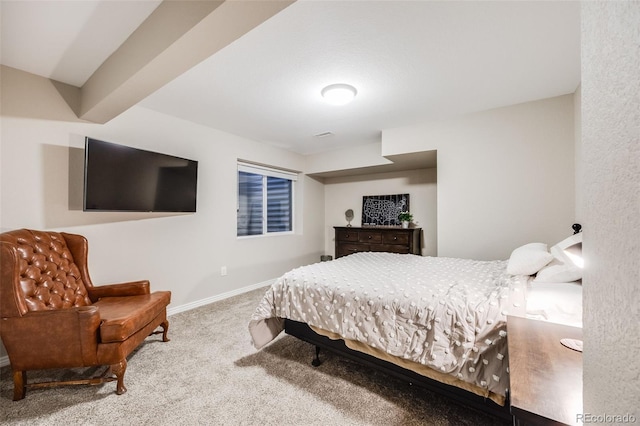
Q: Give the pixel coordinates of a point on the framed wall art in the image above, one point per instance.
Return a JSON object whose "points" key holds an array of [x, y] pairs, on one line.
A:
{"points": [[383, 210]]}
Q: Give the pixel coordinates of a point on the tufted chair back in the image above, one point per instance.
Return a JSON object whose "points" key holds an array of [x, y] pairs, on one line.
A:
{"points": [[49, 278]]}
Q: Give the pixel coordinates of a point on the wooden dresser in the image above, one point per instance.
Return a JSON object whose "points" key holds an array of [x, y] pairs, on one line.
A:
{"points": [[393, 239]]}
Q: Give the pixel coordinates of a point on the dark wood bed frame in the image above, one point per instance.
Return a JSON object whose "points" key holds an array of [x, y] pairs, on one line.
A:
{"points": [[303, 332]]}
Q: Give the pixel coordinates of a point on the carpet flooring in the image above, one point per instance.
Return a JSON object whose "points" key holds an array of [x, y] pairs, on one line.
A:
{"points": [[210, 374]]}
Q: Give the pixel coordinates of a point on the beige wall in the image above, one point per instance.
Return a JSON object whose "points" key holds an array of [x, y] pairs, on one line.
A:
{"points": [[346, 159], [579, 164], [610, 194], [182, 253], [346, 193], [505, 176]]}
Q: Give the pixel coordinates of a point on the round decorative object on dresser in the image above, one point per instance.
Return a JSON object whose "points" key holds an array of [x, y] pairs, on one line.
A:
{"points": [[349, 216]]}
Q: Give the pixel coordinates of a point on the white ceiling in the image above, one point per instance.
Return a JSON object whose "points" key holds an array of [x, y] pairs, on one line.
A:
{"points": [[67, 40], [411, 61]]}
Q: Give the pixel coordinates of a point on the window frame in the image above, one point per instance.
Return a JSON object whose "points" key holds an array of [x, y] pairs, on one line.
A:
{"points": [[266, 171]]}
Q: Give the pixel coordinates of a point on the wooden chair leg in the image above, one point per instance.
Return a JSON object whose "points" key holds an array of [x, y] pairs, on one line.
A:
{"points": [[119, 370], [19, 384], [165, 329]]}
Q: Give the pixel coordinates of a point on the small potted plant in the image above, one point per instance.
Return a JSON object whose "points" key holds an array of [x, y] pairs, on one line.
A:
{"points": [[405, 218]]}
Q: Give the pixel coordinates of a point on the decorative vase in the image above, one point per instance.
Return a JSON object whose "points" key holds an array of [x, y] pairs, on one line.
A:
{"points": [[405, 224]]}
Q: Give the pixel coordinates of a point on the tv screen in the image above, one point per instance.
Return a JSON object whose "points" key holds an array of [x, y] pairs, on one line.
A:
{"points": [[121, 178]]}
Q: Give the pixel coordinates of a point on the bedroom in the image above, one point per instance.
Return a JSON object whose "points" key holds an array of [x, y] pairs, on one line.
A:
{"points": [[41, 137]]}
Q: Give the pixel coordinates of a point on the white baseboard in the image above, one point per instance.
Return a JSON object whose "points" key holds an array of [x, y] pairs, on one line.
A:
{"points": [[4, 361], [189, 306]]}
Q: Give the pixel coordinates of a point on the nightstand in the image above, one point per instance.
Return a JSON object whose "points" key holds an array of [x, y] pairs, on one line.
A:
{"points": [[545, 376]]}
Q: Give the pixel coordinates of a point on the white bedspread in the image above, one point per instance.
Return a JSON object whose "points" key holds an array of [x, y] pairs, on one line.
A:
{"points": [[445, 313], [555, 302]]}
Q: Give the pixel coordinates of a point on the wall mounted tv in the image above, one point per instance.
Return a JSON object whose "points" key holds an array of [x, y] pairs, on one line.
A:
{"points": [[121, 178]]}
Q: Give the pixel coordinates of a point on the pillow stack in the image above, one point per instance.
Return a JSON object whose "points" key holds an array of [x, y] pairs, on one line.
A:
{"points": [[549, 267], [562, 269]]}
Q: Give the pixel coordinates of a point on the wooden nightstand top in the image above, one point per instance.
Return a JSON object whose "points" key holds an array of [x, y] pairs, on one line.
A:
{"points": [[545, 376]]}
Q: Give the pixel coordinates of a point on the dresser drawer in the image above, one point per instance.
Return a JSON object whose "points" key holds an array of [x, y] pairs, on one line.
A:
{"points": [[371, 237], [389, 248], [401, 238], [346, 235], [345, 249]]}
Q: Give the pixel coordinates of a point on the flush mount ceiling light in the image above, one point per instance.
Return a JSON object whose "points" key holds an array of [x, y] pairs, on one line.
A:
{"points": [[339, 94]]}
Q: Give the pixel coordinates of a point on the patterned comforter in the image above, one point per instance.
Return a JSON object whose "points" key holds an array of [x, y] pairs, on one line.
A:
{"points": [[445, 313]]}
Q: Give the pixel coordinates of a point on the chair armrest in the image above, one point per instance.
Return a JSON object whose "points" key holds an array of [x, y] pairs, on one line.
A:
{"points": [[135, 288], [50, 339]]}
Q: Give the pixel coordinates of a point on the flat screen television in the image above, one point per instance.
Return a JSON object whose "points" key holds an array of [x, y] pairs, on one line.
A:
{"points": [[122, 178]]}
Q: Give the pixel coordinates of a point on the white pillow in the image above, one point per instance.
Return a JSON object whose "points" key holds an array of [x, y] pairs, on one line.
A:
{"points": [[568, 242], [558, 272], [528, 259], [562, 269]]}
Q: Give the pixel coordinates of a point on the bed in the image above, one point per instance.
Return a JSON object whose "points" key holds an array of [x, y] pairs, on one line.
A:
{"points": [[557, 302], [434, 321]]}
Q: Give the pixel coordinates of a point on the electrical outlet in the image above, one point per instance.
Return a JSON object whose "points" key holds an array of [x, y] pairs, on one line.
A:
{"points": [[223, 271]]}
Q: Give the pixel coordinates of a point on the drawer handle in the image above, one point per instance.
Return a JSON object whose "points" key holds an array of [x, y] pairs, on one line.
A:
{"points": [[354, 250], [395, 238], [347, 236]]}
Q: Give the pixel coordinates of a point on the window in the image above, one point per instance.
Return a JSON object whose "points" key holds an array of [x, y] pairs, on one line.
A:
{"points": [[265, 200]]}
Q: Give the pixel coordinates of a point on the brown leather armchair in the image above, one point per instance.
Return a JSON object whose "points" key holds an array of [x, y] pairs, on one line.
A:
{"points": [[51, 315]]}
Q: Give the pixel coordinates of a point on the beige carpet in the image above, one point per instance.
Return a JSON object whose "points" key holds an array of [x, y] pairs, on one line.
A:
{"points": [[209, 373]]}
